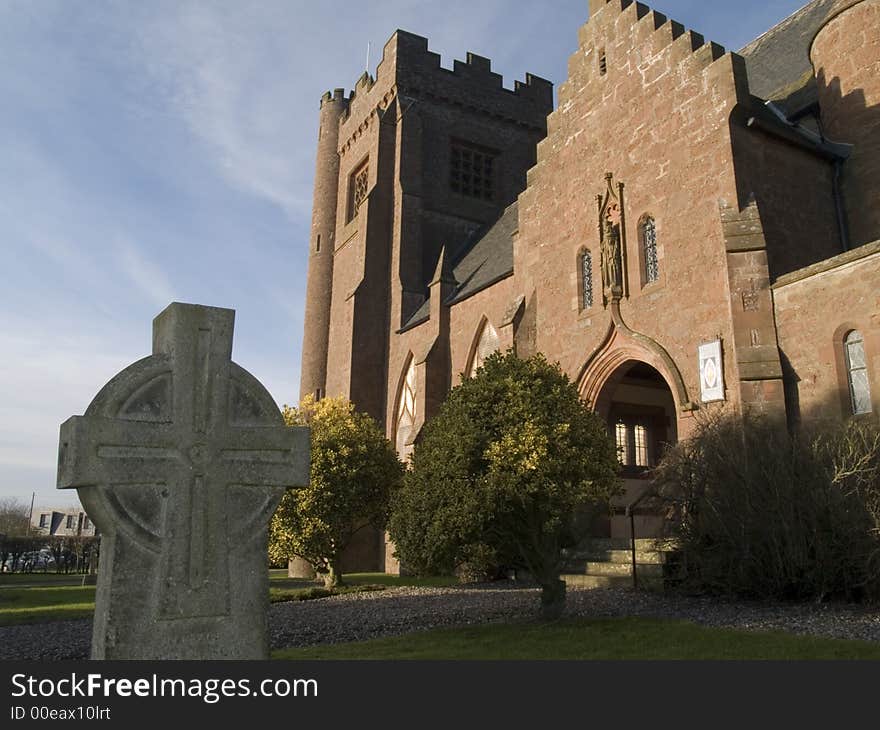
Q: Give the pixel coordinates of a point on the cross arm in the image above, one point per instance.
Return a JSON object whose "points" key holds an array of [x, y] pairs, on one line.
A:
{"points": [[99, 450], [267, 456]]}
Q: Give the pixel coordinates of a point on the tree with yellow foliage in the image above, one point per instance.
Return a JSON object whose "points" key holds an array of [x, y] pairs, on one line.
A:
{"points": [[354, 470]]}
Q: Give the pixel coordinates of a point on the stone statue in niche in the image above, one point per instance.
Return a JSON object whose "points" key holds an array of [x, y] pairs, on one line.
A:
{"points": [[611, 247], [612, 239]]}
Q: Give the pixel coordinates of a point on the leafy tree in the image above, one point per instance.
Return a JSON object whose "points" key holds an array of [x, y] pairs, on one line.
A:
{"points": [[13, 516], [508, 468], [354, 470]]}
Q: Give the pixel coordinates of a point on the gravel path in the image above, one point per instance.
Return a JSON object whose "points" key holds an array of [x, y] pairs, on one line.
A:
{"points": [[358, 616]]}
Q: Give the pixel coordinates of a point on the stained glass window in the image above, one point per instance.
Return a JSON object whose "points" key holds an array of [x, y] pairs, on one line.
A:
{"points": [[486, 345], [857, 373], [649, 246], [406, 412], [586, 280]]}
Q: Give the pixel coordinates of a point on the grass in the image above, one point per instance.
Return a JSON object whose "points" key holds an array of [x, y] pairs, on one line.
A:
{"points": [[622, 638], [39, 597], [40, 579], [629, 638], [45, 603]]}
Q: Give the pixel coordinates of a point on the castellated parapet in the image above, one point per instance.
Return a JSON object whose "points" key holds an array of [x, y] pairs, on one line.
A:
{"points": [[408, 68]]}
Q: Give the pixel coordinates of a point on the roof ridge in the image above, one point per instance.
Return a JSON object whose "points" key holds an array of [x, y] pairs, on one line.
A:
{"points": [[753, 44]]}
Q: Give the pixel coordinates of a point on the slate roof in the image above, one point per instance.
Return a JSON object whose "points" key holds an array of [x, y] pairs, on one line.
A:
{"points": [[479, 261], [778, 61]]}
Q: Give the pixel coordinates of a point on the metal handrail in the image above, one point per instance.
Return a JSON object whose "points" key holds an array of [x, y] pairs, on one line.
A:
{"points": [[629, 512]]}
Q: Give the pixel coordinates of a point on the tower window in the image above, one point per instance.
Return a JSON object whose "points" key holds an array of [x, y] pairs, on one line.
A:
{"points": [[586, 272], [648, 240], [603, 62], [358, 186], [857, 373], [318, 244], [472, 170]]}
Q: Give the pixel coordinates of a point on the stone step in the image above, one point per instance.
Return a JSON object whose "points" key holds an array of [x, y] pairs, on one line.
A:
{"points": [[597, 581], [654, 570], [643, 544], [576, 580], [623, 556]]}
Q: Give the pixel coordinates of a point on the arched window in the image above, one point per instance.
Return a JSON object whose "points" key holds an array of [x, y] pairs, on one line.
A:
{"points": [[648, 241], [857, 373], [406, 412], [586, 274], [486, 345]]}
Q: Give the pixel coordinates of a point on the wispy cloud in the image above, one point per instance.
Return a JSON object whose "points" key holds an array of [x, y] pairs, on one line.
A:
{"points": [[148, 279], [212, 64]]}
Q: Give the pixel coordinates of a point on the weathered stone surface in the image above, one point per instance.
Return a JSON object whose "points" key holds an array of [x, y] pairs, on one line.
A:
{"points": [[180, 460]]}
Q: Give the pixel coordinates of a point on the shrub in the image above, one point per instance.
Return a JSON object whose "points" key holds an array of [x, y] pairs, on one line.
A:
{"points": [[353, 472], [770, 515], [503, 475]]}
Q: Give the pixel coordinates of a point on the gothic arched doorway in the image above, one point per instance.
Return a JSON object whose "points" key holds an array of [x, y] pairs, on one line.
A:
{"points": [[638, 405]]}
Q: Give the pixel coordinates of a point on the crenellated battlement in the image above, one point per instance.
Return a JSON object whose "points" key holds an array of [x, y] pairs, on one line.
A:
{"points": [[626, 36], [408, 67], [338, 95], [664, 31]]}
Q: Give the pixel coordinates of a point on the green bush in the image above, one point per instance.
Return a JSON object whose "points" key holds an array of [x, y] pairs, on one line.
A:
{"points": [[765, 514], [502, 476]]}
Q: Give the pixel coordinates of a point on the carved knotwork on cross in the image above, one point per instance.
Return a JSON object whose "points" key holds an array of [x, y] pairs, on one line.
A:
{"points": [[612, 241]]}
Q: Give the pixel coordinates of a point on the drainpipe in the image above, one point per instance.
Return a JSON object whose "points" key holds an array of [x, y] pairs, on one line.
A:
{"points": [[838, 205]]}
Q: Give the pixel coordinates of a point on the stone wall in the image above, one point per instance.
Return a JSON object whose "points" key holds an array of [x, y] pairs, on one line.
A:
{"points": [[816, 307], [657, 117]]}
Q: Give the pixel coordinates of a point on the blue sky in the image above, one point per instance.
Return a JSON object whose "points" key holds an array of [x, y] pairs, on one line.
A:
{"points": [[160, 151]]}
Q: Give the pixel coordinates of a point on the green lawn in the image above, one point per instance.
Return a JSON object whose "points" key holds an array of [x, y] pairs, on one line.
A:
{"points": [[52, 597], [40, 579], [625, 638], [631, 638], [46, 603]]}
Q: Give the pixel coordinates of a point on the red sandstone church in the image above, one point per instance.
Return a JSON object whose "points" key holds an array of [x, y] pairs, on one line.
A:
{"points": [[690, 230]]}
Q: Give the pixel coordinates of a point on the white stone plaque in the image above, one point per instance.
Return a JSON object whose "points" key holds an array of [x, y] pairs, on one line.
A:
{"points": [[711, 372]]}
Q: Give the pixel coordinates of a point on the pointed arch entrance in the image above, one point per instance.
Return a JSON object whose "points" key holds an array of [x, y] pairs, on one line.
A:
{"points": [[640, 408]]}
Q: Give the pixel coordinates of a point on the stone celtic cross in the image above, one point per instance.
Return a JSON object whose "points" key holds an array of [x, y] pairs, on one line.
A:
{"points": [[180, 460]]}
